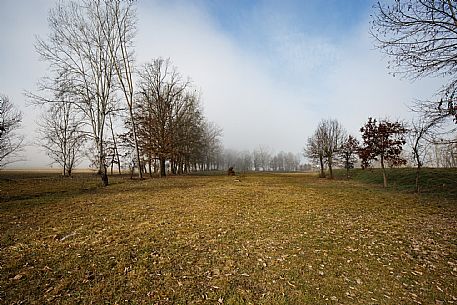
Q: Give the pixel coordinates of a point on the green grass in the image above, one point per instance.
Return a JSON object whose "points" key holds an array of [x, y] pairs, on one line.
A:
{"points": [[433, 181], [267, 239]]}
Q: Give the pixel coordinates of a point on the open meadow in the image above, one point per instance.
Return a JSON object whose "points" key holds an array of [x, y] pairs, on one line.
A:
{"points": [[266, 239]]}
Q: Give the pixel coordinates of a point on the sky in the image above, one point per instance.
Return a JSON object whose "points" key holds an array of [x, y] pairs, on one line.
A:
{"points": [[268, 71]]}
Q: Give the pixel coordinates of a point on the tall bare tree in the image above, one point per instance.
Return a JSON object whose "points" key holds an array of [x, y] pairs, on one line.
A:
{"points": [[118, 22], [78, 52], [163, 97], [10, 122], [420, 38]]}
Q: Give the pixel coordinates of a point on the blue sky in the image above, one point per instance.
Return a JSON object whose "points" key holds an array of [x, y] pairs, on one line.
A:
{"points": [[330, 18], [268, 70]]}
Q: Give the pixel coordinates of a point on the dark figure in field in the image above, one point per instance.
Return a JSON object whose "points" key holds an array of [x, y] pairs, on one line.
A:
{"points": [[230, 171]]}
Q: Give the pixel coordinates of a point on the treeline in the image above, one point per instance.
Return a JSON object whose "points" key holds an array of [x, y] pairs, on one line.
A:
{"points": [[382, 144], [261, 159], [99, 103], [382, 141]]}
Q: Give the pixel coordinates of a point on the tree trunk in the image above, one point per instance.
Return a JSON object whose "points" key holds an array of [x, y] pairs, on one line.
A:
{"points": [[419, 165], [417, 179], [330, 167], [101, 160], [162, 167], [137, 147], [155, 166], [384, 176], [322, 173], [116, 152]]}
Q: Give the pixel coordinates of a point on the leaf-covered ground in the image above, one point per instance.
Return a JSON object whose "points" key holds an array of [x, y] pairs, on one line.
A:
{"points": [[267, 239]]}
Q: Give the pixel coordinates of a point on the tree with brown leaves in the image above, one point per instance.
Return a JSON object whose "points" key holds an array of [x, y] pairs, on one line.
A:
{"points": [[382, 140]]}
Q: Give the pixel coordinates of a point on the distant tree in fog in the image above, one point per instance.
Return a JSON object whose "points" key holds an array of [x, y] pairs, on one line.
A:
{"points": [[284, 162], [261, 158]]}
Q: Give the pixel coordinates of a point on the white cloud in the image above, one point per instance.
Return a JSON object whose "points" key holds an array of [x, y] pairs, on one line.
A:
{"points": [[360, 86], [239, 94]]}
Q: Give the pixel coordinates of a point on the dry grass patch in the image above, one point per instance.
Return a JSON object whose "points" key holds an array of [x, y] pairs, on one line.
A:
{"points": [[270, 239]]}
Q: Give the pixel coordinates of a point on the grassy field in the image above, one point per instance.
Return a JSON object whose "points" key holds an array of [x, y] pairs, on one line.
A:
{"points": [[267, 239], [433, 181]]}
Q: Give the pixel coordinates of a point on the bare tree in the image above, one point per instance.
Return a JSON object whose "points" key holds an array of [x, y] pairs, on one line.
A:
{"points": [[314, 150], [162, 98], [261, 158], [118, 23], [332, 136], [348, 153], [62, 136], [325, 143], [244, 161], [170, 121], [420, 37], [285, 162], [210, 145], [10, 122], [78, 52], [191, 134]]}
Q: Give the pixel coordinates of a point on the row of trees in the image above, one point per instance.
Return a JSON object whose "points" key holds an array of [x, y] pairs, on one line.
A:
{"points": [[260, 159], [382, 141], [99, 101], [170, 122]]}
